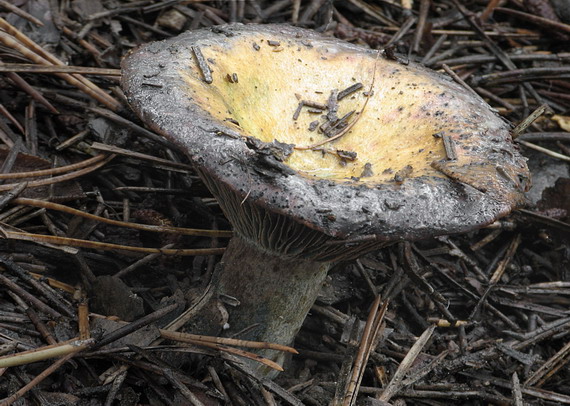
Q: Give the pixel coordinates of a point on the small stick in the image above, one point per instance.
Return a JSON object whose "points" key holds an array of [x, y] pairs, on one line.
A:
{"points": [[53, 171], [203, 65], [35, 319], [456, 77], [489, 10], [138, 155], [332, 106], [23, 44], [83, 320], [242, 353], [183, 389], [31, 68], [541, 21], [20, 13], [297, 112], [517, 393], [449, 146], [31, 127], [144, 260], [80, 136], [523, 125], [118, 381], [134, 326], [10, 195], [28, 297], [10, 117], [420, 28], [397, 380], [353, 122], [497, 274], [349, 90], [26, 87], [315, 105], [51, 295]]}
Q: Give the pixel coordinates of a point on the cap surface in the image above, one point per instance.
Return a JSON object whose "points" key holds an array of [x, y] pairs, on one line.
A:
{"points": [[418, 155]]}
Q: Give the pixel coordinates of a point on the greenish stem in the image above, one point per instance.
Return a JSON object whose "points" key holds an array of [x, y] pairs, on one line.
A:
{"points": [[274, 293]]}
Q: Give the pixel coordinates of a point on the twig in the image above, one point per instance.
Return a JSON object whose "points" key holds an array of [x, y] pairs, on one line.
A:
{"points": [[134, 326], [549, 367], [32, 68], [456, 77], [541, 21], [20, 13], [367, 344], [396, 383], [523, 125], [517, 394], [11, 194], [359, 114], [28, 297], [498, 273]]}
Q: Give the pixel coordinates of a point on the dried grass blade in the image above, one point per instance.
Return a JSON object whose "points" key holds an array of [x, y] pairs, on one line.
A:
{"points": [[43, 353], [61, 178], [75, 242], [136, 226]]}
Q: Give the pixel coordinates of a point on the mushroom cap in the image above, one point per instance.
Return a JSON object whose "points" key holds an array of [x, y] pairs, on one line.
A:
{"points": [[229, 95]]}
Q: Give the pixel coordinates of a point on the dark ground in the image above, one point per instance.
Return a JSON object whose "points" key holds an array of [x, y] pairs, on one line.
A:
{"points": [[505, 288]]}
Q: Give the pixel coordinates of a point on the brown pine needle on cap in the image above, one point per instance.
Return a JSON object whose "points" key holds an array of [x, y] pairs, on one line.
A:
{"points": [[353, 122]]}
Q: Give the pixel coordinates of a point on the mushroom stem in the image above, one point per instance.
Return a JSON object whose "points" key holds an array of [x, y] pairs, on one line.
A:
{"points": [[275, 293]]}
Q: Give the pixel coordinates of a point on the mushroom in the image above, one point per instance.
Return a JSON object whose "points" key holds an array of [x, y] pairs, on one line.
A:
{"points": [[318, 151]]}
